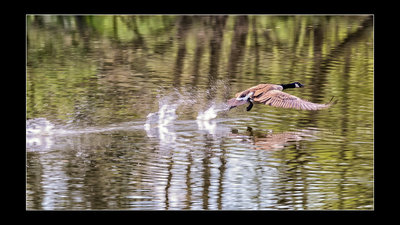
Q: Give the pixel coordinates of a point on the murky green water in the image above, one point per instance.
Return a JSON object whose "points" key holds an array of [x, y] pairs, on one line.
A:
{"points": [[124, 112]]}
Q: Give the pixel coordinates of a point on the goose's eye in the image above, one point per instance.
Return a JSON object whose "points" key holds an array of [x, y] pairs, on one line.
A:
{"points": [[243, 95]]}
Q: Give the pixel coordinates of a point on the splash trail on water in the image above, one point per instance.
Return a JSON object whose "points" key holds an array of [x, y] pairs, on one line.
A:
{"points": [[165, 123]]}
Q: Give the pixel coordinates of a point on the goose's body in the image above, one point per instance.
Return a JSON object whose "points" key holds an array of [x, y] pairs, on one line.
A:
{"points": [[273, 95]]}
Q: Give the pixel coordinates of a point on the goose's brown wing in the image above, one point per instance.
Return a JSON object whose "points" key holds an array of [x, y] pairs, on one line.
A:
{"points": [[258, 89], [281, 99]]}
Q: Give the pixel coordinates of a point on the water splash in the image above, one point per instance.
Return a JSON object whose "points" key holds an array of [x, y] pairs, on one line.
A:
{"points": [[205, 119], [39, 126], [162, 123], [212, 112], [165, 115], [38, 134], [158, 124], [209, 114]]}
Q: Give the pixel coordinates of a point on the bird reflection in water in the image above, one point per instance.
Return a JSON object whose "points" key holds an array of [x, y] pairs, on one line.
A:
{"points": [[270, 141]]}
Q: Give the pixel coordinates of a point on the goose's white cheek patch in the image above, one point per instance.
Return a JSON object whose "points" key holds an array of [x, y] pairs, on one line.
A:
{"points": [[246, 97]]}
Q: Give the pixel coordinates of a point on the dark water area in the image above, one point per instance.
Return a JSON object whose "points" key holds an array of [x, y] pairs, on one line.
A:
{"points": [[127, 112]]}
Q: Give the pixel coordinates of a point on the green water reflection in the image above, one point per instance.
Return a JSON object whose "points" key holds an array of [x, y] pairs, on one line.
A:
{"points": [[99, 71]]}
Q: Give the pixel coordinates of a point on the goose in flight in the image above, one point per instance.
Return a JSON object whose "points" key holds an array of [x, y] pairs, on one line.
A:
{"points": [[273, 95]]}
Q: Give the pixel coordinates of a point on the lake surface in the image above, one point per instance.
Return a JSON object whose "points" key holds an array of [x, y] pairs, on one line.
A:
{"points": [[128, 112]]}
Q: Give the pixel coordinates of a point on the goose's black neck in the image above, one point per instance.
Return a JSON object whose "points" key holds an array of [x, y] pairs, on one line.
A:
{"points": [[291, 85]]}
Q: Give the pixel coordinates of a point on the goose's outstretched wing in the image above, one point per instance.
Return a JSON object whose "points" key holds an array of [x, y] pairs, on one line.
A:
{"points": [[281, 99], [258, 89]]}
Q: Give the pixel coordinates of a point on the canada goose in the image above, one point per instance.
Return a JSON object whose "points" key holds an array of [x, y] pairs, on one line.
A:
{"points": [[272, 95]]}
